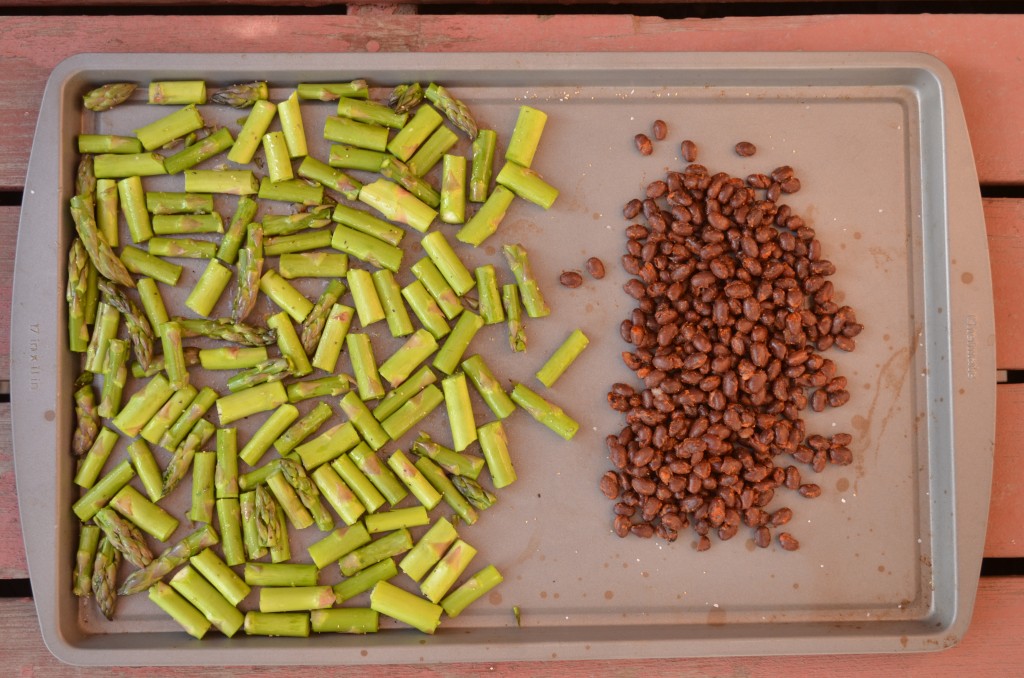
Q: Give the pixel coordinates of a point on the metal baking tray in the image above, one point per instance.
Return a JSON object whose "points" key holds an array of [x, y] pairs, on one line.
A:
{"points": [[890, 552]]}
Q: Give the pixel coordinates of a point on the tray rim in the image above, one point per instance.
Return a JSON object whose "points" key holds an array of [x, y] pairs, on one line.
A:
{"points": [[973, 305]]}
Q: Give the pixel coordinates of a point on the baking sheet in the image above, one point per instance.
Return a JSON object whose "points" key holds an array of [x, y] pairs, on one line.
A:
{"points": [[890, 551]]}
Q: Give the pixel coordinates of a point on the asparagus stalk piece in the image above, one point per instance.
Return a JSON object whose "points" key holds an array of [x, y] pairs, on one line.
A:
{"points": [[382, 478], [460, 411], [426, 309], [183, 455], [357, 89], [152, 305], [317, 216], [204, 466], [124, 536], [139, 330], [432, 150], [527, 184], [513, 312], [188, 417], [108, 143], [350, 620], [398, 204], [107, 96], [328, 446], [315, 320], [291, 125], [272, 369], [404, 98], [440, 482], [100, 253], [456, 344], [107, 210], [232, 182], [350, 157], [286, 496], [146, 515], [173, 92], [453, 189], [204, 149], [474, 588], [366, 248], [494, 444], [416, 131], [75, 295], [170, 127], [338, 495], [388, 599], [250, 273], [221, 613], [241, 95], [104, 577], [364, 294], [363, 110], [297, 242], [92, 463], [279, 164], [87, 420], [457, 111], [250, 533], [295, 598], [289, 344], [526, 136], [100, 493], [179, 203], [402, 174], [182, 611], [483, 165], [391, 544], [120, 166], [428, 274], [329, 177], [283, 624], [395, 519], [259, 398], [447, 262], [414, 480], [107, 320], [429, 549], [174, 355], [564, 356], [397, 368], [519, 264], [227, 330], [354, 133], [232, 357], [114, 378], [141, 407], [229, 518], [412, 412], [364, 580], [334, 385], [444, 574], [280, 574], [487, 219], [488, 386], [209, 288], [163, 564], [368, 224], [358, 482], [145, 465], [333, 337], [144, 263], [85, 557], [252, 131], [223, 578], [545, 412], [286, 297], [85, 178], [238, 231], [451, 461], [268, 432], [302, 429], [364, 366], [269, 530], [390, 295], [307, 492], [338, 544], [281, 549], [184, 248], [363, 420]]}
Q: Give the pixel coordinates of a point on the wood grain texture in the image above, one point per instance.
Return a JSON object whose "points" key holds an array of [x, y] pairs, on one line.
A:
{"points": [[1005, 536], [983, 51], [991, 647], [1004, 220], [8, 235], [12, 548]]}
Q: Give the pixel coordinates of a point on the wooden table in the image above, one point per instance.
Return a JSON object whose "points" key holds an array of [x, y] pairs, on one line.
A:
{"points": [[984, 52]]}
